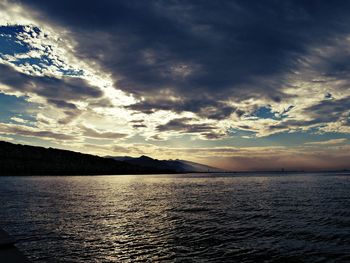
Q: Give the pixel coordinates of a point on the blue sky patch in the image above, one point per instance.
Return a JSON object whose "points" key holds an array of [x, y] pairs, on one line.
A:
{"points": [[12, 106], [42, 62], [265, 113], [240, 133], [72, 72], [9, 43]]}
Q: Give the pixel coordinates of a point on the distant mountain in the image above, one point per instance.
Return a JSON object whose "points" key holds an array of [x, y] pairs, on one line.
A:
{"points": [[179, 166], [17, 159]]}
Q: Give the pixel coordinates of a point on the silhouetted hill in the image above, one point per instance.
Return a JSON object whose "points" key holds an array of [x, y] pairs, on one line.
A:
{"points": [[16, 159], [179, 166]]}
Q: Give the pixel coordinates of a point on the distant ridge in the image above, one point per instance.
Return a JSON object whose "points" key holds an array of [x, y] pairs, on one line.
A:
{"points": [[179, 166], [17, 159]]}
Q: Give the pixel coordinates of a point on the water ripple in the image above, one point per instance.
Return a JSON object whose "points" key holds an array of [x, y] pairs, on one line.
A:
{"points": [[179, 218]]}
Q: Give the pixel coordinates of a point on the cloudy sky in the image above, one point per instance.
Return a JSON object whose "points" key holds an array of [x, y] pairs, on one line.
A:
{"points": [[243, 85]]}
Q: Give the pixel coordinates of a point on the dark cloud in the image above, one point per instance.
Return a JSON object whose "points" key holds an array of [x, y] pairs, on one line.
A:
{"points": [[183, 125], [32, 132], [327, 111], [330, 110], [70, 115], [56, 91], [204, 107], [102, 102], [104, 135], [62, 104], [139, 126], [137, 121], [199, 49], [70, 110]]}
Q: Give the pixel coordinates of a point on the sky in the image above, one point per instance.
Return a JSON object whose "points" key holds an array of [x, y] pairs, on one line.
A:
{"points": [[240, 85]]}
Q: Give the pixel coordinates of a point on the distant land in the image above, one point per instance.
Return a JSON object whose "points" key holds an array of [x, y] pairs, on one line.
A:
{"points": [[17, 159], [178, 166]]}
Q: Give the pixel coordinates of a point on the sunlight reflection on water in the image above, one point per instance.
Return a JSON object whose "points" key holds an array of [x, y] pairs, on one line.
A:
{"points": [[181, 218]]}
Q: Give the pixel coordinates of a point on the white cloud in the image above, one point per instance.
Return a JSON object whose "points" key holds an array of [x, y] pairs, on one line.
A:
{"points": [[328, 142]]}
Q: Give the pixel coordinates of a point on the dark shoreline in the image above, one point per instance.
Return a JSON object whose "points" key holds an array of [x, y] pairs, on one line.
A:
{"points": [[25, 160], [177, 173]]}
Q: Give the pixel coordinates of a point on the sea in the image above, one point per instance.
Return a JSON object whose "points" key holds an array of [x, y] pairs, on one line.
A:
{"points": [[179, 218]]}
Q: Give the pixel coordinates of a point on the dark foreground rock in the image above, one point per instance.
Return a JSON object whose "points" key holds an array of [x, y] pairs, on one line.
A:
{"points": [[8, 252]]}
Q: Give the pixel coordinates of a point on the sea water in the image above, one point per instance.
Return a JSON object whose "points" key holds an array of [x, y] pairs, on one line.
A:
{"points": [[179, 218]]}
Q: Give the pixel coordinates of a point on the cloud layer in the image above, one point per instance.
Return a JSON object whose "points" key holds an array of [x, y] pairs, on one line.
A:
{"points": [[160, 70]]}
